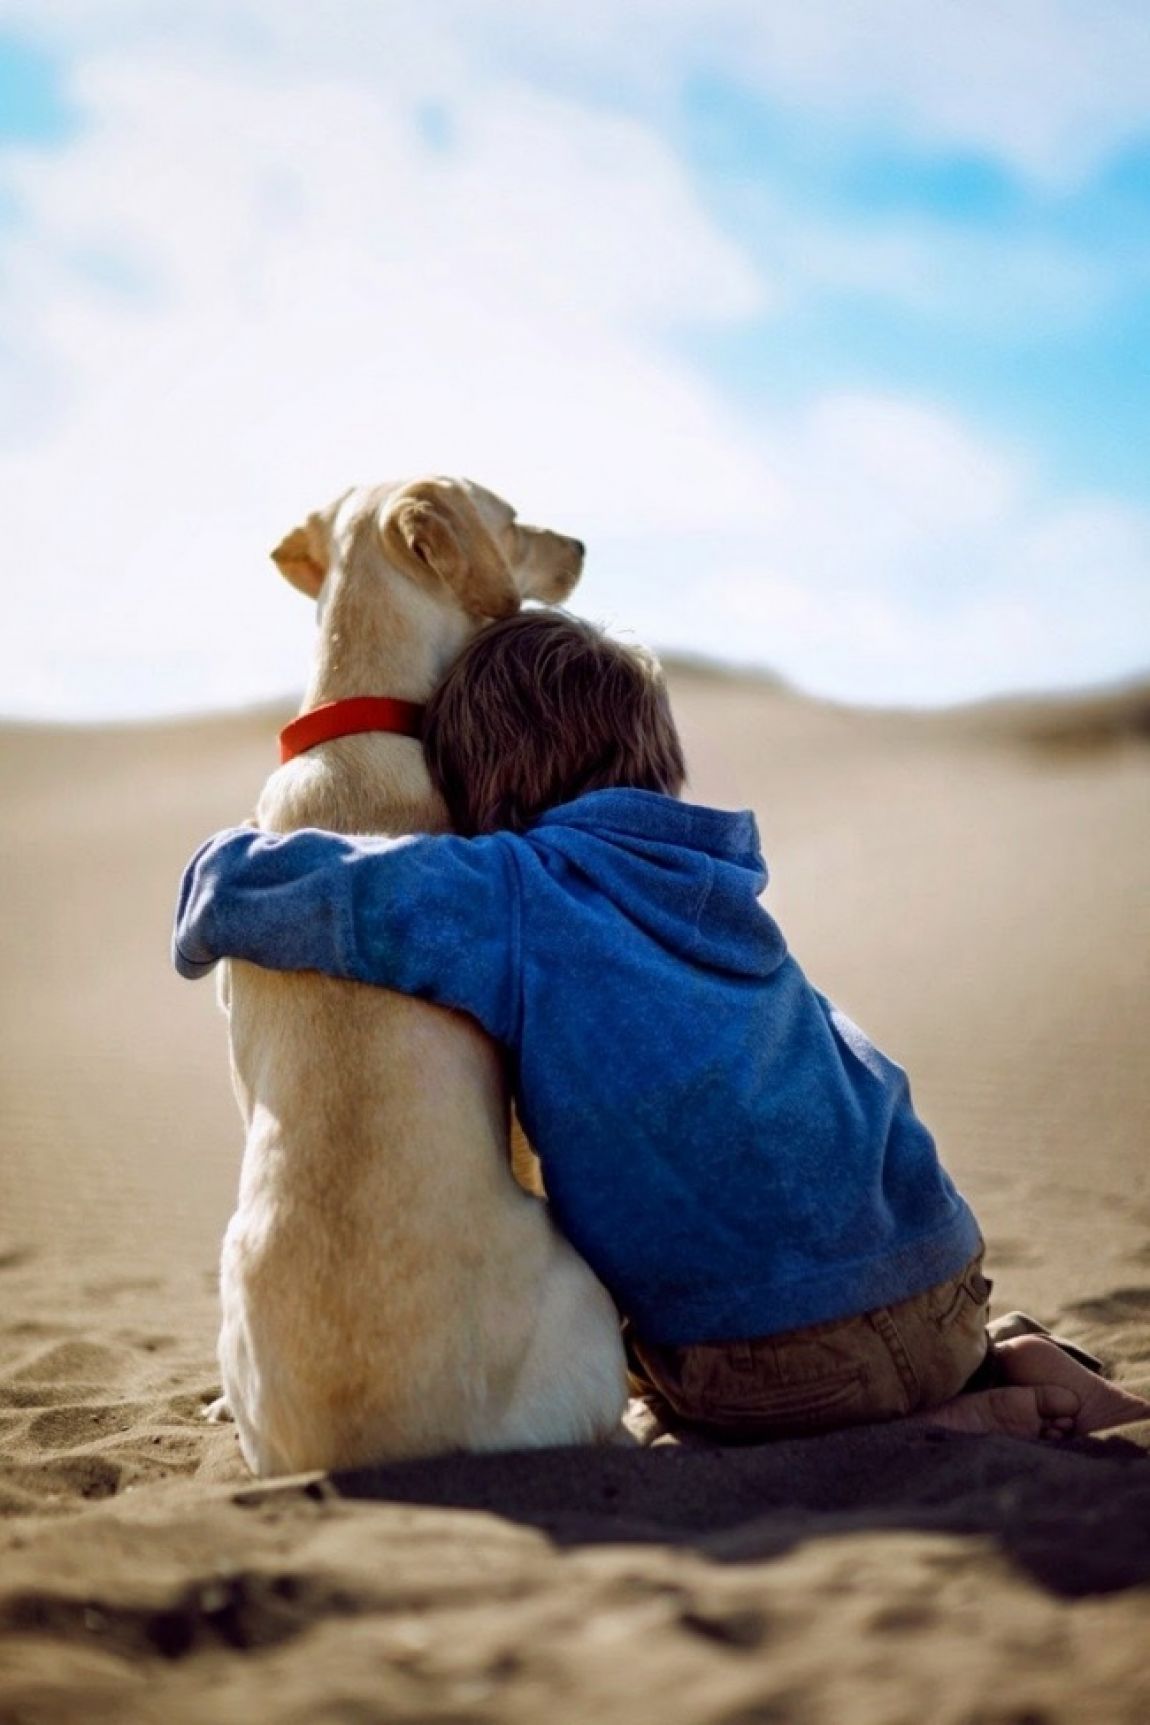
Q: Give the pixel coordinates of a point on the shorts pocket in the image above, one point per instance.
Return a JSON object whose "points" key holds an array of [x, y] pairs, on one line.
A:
{"points": [[969, 1303], [835, 1398]]}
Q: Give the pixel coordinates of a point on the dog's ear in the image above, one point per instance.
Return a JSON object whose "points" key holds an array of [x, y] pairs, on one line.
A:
{"points": [[296, 561], [432, 529]]}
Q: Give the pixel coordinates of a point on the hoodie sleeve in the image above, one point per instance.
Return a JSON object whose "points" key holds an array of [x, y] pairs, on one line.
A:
{"points": [[432, 916]]}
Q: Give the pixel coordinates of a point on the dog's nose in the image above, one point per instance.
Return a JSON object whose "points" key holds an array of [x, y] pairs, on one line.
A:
{"points": [[580, 547]]}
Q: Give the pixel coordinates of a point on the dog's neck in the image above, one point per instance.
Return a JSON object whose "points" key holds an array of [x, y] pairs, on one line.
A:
{"points": [[381, 635]]}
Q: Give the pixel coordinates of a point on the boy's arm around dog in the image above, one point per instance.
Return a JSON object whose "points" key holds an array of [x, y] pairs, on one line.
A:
{"points": [[433, 916]]}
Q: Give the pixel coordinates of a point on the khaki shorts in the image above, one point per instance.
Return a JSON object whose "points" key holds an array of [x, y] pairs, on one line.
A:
{"points": [[901, 1359]]}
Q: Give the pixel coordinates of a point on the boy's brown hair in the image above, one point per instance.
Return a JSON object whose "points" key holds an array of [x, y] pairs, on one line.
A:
{"points": [[539, 708]]}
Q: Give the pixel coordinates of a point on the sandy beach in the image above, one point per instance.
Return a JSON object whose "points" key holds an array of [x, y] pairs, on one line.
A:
{"points": [[971, 886]]}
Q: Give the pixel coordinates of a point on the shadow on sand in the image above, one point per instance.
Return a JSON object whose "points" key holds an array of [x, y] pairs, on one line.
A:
{"points": [[1075, 1517]]}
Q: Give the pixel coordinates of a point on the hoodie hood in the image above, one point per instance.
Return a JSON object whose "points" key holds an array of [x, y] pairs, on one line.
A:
{"points": [[688, 876]]}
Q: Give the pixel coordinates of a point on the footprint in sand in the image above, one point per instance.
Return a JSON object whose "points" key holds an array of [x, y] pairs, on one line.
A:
{"points": [[69, 1427], [65, 1395], [66, 1375], [25, 1330], [1122, 1306], [1010, 1255], [78, 1361], [56, 1484], [1118, 1327], [246, 1610], [122, 1285], [783, 1709]]}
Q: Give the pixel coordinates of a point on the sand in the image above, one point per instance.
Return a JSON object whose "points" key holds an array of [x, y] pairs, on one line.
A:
{"points": [[973, 887]]}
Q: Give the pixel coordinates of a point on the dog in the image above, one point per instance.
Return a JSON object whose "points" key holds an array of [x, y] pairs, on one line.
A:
{"points": [[387, 1289]]}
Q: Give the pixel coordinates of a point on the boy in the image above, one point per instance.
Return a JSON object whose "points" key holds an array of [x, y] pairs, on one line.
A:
{"points": [[738, 1163]]}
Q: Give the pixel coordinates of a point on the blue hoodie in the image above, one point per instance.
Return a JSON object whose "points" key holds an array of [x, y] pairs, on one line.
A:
{"points": [[725, 1148]]}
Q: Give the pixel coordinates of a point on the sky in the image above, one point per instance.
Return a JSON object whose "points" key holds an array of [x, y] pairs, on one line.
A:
{"points": [[827, 326]]}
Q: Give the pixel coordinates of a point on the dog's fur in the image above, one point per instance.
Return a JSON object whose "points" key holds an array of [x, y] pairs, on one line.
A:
{"points": [[388, 1290]]}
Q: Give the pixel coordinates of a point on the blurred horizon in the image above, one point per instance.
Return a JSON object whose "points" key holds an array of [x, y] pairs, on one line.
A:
{"points": [[1109, 709], [827, 328]]}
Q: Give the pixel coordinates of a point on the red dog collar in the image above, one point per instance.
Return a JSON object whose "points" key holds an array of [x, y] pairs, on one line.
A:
{"points": [[346, 719]]}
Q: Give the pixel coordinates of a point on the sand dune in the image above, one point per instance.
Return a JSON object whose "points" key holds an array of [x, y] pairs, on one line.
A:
{"points": [[974, 887]]}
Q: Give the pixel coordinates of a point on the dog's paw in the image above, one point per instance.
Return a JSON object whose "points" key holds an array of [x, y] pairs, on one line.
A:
{"points": [[640, 1426], [218, 1411]]}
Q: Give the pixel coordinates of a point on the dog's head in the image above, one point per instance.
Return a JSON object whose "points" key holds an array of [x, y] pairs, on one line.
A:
{"points": [[449, 535]]}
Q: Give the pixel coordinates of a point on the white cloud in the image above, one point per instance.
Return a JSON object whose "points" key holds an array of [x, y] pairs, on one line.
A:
{"points": [[912, 563], [325, 297]]}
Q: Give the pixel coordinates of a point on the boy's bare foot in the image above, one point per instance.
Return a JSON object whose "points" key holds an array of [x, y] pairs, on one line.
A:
{"points": [[1033, 1360], [1019, 1411]]}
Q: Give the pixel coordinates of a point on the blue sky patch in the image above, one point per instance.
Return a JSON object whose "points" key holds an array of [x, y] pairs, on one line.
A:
{"points": [[729, 131], [34, 105], [434, 123]]}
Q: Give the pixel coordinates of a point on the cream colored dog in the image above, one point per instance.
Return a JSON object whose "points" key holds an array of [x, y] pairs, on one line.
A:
{"points": [[387, 1289]]}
